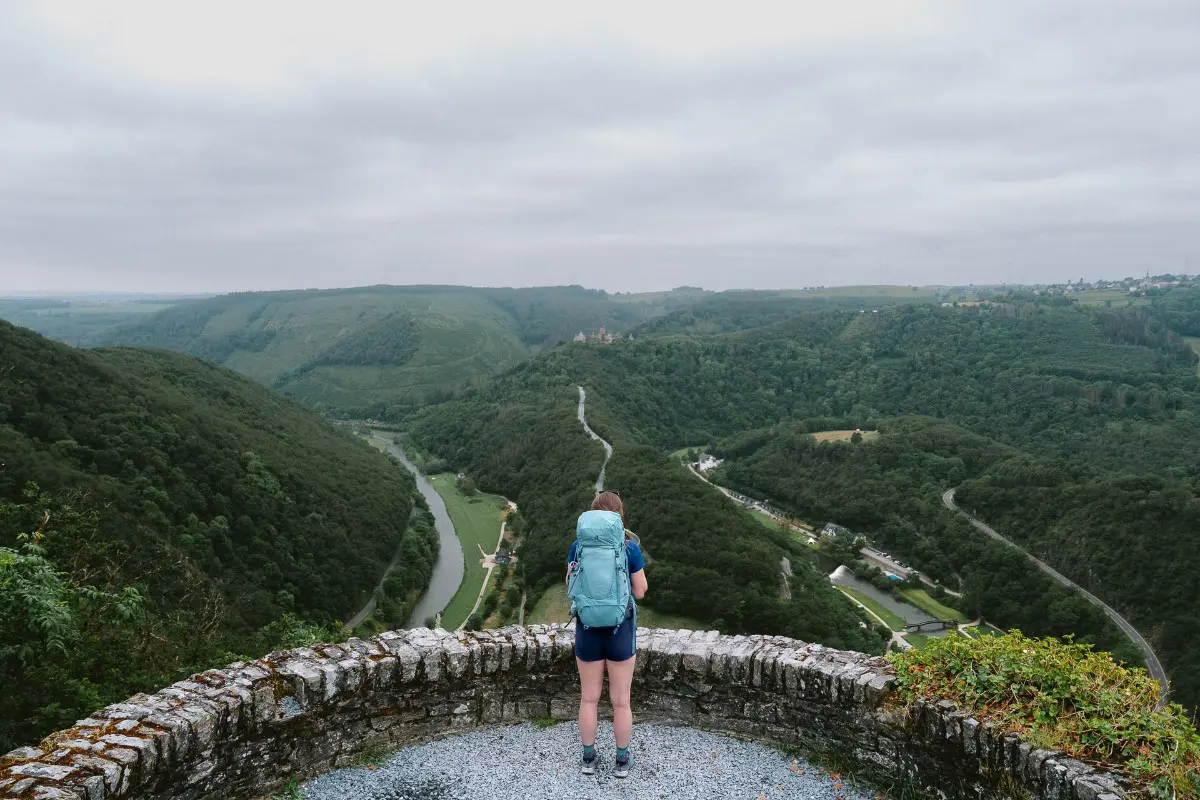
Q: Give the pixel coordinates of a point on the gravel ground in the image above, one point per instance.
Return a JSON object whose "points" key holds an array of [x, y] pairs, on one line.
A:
{"points": [[524, 762]]}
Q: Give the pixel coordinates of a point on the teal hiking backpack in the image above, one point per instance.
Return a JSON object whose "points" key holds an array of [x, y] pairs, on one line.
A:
{"points": [[599, 582]]}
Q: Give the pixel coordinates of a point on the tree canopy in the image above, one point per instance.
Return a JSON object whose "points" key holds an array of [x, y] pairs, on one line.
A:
{"points": [[221, 506]]}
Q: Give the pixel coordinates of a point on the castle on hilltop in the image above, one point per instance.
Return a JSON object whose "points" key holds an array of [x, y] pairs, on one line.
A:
{"points": [[603, 336]]}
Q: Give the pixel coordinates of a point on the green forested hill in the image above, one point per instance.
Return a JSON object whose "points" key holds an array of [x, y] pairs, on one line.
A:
{"points": [[209, 506], [1055, 380], [381, 350], [890, 490], [1086, 394], [360, 351], [74, 319]]}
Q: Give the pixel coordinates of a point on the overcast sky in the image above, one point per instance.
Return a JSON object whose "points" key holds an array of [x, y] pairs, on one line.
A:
{"points": [[280, 144]]}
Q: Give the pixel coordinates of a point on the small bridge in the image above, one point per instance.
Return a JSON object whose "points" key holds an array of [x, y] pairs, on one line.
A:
{"points": [[932, 624]]}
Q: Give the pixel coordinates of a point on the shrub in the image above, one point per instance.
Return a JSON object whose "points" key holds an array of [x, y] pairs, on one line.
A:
{"points": [[1062, 696]]}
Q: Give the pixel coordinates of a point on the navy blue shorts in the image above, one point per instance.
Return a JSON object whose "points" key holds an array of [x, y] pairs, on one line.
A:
{"points": [[607, 644]]}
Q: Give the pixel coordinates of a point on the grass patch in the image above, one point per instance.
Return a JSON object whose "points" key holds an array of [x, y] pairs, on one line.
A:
{"points": [[918, 639], [984, 630], [290, 790], [843, 436], [1060, 696], [880, 290], [1115, 296], [553, 606], [921, 599], [892, 620], [545, 722], [772, 524], [372, 756], [477, 523]]}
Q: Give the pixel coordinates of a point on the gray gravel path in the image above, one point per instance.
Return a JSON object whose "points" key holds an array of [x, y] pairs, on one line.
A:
{"points": [[524, 762]]}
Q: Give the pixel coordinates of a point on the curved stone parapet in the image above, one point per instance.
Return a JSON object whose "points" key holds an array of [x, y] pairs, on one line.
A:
{"points": [[243, 731]]}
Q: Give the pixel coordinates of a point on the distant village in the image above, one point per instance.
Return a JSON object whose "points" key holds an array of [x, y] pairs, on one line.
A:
{"points": [[1129, 285], [602, 336]]}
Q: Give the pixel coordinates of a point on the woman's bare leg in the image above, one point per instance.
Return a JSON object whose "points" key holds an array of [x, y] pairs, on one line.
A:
{"points": [[620, 680], [591, 684]]}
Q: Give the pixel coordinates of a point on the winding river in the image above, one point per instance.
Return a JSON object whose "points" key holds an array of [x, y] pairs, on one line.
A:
{"points": [[450, 567]]}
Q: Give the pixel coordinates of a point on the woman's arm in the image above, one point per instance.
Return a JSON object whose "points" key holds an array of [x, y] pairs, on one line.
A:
{"points": [[638, 584]]}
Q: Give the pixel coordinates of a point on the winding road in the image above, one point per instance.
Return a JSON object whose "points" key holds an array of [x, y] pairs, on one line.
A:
{"points": [[1154, 666], [607, 447]]}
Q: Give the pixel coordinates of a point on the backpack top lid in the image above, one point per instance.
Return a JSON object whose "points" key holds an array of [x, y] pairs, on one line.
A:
{"points": [[600, 527]]}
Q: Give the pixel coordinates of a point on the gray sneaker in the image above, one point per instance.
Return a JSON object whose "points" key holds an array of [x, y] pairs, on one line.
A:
{"points": [[589, 764], [621, 768]]}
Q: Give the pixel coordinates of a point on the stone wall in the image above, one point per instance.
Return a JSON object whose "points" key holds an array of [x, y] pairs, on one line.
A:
{"points": [[243, 731]]}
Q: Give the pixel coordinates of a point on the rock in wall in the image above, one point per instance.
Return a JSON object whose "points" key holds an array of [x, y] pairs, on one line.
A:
{"points": [[243, 731]]}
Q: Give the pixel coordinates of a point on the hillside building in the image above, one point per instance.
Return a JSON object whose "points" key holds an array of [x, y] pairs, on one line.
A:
{"points": [[602, 336]]}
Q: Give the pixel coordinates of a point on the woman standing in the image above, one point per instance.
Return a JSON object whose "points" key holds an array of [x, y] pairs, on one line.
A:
{"points": [[607, 648]]}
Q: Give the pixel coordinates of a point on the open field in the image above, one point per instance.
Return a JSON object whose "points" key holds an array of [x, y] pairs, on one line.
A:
{"points": [[72, 321], [771, 523], [893, 621], [984, 630], [1116, 297], [843, 436], [554, 606], [914, 292], [477, 523], [921, 599]]}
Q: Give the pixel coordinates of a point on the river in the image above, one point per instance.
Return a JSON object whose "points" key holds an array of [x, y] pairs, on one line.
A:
{"points": [[906, 611], [450, 567]]}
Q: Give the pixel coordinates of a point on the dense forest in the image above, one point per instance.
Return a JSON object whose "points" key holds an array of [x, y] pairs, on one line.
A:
{"points": [[365, 351], [159, 514], [1062, 381], [385, 350], [1128, 537], [1082, 393], [890, 490]]}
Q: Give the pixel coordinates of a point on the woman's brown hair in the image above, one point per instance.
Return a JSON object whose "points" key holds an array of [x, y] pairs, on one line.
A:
{"points": [[611, 501]]}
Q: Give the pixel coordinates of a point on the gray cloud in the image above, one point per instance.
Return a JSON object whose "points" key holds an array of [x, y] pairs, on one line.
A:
{"points": [[1029, 142]]}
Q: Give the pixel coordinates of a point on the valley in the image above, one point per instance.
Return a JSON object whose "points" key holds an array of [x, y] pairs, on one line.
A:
{"points": [[1075, 427], [1045, 364]]}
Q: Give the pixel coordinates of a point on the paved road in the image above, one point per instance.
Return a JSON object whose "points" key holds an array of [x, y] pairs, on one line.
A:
{"points": [[596, 436], [366, 610], [1152, 663]]}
